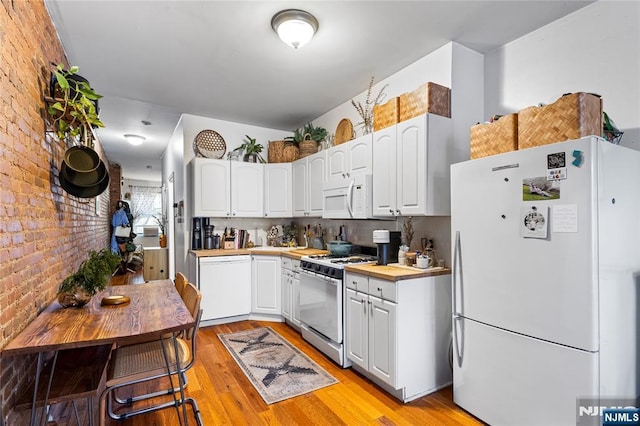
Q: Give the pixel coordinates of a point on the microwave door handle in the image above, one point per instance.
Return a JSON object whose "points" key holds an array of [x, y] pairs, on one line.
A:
{"points": [[350, 199]]}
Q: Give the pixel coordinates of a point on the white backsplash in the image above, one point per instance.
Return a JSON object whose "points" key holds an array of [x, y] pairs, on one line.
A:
{"points": [[437, 228]]}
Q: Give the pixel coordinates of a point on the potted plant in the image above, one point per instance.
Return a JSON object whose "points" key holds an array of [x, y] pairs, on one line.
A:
{"points": [[252, 150], [73, 104], [163, 238], [91, 277], [308, 138]]}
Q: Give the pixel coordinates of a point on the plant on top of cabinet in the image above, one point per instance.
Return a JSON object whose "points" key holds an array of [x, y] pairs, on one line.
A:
{"points": [[252, 150], [308, 138], [366, 110], [73, 104]]}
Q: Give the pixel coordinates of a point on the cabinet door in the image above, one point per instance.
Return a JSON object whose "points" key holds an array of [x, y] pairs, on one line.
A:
{"points": [[360, 155], [300, 183], [266, 279], [278, 193], [411, 195], [384, 172], [356, 339], [211, 187], [295, 300], [317, 177], [287, 288], [337, 161], [382, 340], [246, 189]]}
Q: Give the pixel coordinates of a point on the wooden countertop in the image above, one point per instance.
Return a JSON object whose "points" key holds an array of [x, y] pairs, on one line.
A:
{"points": [[292, 252], [395, 271]]}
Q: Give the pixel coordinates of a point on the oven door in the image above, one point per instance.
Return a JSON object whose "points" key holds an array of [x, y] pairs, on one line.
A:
{"points": [[321, 304]]}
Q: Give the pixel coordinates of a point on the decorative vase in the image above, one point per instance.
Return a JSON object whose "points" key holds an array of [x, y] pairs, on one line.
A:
{"points": [[74, 298], [163, 240]]}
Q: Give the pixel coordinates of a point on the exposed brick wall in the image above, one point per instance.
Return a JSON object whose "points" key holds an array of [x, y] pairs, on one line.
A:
{"points": [[44, 232]]}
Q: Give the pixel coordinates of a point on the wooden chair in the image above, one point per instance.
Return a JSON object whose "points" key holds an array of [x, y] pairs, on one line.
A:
{"points": [[181, 282], [143, 362]]}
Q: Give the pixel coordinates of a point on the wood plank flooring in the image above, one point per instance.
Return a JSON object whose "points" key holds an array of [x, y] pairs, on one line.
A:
{"points": [[226, 397]]}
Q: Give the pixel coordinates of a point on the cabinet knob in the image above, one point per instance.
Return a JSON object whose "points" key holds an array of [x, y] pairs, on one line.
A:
{"points": [[390, 211], [348, 175], [379, 289], [398, 211]]}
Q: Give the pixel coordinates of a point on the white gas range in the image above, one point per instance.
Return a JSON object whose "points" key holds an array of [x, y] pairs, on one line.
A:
{"points": [[322, 293]]}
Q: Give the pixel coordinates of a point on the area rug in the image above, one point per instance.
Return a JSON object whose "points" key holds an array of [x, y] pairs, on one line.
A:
{"points": [[275, 367]]}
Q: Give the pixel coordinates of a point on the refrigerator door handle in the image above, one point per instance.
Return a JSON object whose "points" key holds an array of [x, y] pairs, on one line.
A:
{"points": [[457, 275], [458, 339]]}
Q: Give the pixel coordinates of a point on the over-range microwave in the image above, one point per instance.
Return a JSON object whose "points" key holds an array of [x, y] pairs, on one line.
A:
{"points": [[350, 198]]}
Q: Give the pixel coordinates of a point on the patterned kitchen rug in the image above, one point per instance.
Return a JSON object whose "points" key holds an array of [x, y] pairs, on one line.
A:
{"points": [[273, 365]]}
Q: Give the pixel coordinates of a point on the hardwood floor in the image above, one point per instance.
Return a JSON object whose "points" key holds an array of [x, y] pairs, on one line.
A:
{"points": [[226, 397]]}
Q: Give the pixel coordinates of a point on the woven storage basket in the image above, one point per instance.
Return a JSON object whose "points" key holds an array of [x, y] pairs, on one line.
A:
{"points": [[386, 114], [307, 146], [291, 152], [429, 98], [344, 132], [570, 117], [494, 138]]}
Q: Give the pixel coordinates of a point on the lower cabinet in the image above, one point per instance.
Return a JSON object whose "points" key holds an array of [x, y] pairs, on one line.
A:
{"points": [[398, 333], [291, 291], [266, 276], [155, 263]]}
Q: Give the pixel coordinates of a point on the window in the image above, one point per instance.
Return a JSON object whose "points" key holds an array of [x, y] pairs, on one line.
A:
{"points": [[146, 206]]}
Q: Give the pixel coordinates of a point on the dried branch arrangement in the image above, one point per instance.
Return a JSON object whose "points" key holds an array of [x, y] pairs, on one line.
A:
{"points": [[407, 229], [366, 110]]}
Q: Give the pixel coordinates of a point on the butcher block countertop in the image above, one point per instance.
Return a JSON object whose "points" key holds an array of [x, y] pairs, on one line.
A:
{"points": [[395, 271], [292, 252]]}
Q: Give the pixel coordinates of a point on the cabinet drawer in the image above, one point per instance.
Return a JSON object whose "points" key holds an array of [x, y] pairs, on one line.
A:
{"points": [[384, 289], [357, 282], [287, 263]]}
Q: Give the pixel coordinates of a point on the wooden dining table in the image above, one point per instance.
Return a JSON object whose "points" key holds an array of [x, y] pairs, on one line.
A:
{"points": [[154, 310]]}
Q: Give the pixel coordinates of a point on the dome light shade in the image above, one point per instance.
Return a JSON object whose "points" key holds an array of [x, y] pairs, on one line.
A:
{"points": [[294, 27], [134, 139]]}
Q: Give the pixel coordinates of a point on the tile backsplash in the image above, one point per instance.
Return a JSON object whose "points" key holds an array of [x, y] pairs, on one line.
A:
{"points": [[437, 228]]}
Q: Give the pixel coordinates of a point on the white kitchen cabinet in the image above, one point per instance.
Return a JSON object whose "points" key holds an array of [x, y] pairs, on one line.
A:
{"points": [[225, 284], [309, 175], [278, 192], [247, 189], [398, 332], [266, 280], [411, 167], [291, 291], [210, 182], [353, 157]]}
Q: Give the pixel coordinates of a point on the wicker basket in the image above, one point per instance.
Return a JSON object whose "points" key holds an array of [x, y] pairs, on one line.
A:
{"points": [[571, 117], [344, 132], [282, 152], [494, 138], [307, 146], [429, 98], [386, 114]]}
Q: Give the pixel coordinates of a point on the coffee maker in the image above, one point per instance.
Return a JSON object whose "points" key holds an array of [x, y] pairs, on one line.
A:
{"points": [[388, 245], [196, 234]]}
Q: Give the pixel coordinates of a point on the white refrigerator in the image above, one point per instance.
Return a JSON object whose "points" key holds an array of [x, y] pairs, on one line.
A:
{"points": [[546, 274]]}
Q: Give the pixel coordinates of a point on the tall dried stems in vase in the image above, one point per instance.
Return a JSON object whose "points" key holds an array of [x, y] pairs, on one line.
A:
{"points": [[366, 110]]}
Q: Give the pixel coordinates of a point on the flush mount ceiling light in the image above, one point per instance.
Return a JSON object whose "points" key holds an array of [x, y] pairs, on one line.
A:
{"points": [[295, 27], [134, 139]]}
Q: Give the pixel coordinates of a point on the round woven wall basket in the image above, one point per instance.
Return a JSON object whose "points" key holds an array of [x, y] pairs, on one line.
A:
{"points": [[307, 146]]}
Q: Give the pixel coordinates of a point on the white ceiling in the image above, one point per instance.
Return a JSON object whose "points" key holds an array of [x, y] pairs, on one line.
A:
{"points": [[154, 60]]}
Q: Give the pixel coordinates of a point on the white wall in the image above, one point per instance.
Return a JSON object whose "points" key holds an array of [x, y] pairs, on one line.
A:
{"points": [[595, 49]]}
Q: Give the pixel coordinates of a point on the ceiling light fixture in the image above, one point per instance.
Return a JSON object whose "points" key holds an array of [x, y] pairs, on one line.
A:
{"points": [[134, 139], [294, 27]]}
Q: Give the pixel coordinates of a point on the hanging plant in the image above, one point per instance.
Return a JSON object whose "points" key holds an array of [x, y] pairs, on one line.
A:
{"points": [[73, 104]]}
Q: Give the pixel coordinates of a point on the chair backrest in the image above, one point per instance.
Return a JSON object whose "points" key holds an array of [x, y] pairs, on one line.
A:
{"points": [[181, 282], [191, 297]]}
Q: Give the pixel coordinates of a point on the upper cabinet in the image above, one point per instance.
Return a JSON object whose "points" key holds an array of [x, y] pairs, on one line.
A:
{"points": [[411, 167], [222, 188], [353, 157], [247, 189], [309, 175], [210, 182], [278, 193]]}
